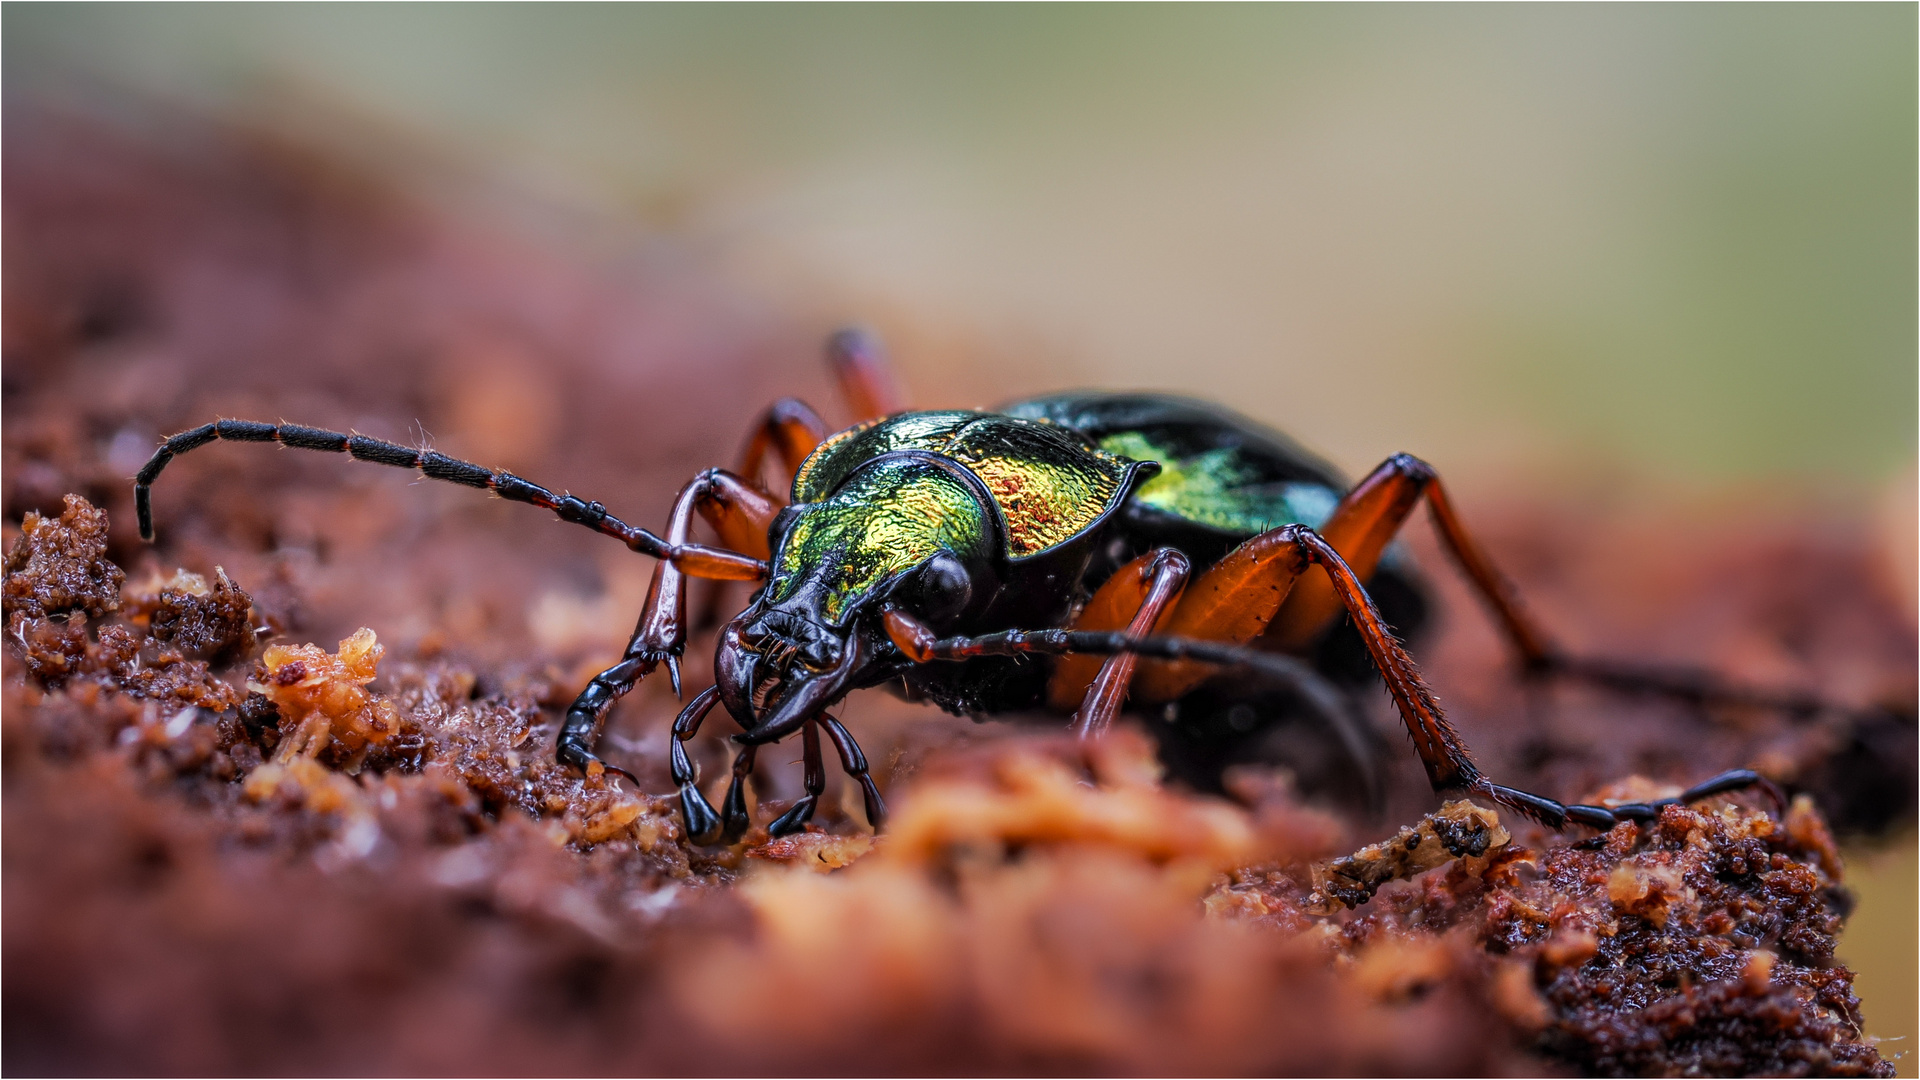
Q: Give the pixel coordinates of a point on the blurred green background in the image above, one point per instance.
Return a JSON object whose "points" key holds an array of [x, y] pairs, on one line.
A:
{"points": [[1675, 241], [1671, 247]]}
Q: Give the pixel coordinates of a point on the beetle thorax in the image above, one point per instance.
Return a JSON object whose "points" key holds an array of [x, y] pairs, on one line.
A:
{"points": [[839, 555]]}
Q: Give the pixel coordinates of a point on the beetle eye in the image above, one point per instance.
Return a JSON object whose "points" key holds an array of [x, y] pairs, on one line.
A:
{"points": [[939, 589]]}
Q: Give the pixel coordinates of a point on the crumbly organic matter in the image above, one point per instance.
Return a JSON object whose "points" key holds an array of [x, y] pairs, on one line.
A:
{"points": [[1459, 830], [57, 575], [1039, 904], [1698, 944], [204, 622], [60, 565]]}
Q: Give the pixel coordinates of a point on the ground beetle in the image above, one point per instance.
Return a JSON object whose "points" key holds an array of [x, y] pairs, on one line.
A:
{"points": [[1142, 541]]}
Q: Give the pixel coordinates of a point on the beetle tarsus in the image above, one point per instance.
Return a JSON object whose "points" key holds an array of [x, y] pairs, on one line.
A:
{"points": [[734, 809], [795, 819], [1735, 779], [703, 824], [578, 756], [584, 715], [1556, 815], [854, 762]]}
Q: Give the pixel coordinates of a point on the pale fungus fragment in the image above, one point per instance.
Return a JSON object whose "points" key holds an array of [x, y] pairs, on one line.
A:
{"points": [[1458, 830], [326, 698]]}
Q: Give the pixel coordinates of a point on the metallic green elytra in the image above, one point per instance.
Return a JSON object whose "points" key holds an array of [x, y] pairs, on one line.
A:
{"points": [[1221, 488]]}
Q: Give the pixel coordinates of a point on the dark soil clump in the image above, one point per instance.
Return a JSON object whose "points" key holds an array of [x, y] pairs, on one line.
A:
{"points": [[60, 565], [204, 623]]}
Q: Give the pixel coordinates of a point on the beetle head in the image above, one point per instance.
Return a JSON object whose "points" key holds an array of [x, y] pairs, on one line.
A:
{"points": [[907, 529]]}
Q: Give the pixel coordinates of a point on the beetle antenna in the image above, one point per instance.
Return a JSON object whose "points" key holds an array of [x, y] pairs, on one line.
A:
{"points": [[431, 463], [1105, 643]]}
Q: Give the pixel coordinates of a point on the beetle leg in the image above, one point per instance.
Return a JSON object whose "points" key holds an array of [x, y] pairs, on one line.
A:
{"points": [[1360, 528], [734, 810], [1556, 814], [1232, 601], [1449, 765], [793, 430], [790, 429], [660, 635], [796, 818], [578, 731], [1139, 597], [855, 764], [703, 824], [1373, 513], [866, 379], [738, 511], [798, 709]]}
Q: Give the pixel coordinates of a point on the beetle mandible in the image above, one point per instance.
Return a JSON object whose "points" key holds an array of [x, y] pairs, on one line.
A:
{"points": [[1141, 541]]}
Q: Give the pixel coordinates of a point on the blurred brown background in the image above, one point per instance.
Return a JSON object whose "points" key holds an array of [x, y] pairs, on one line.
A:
{"points": [[1608, 257]]}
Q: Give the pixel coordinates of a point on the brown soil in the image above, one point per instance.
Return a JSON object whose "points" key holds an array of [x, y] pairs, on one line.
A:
{"points": [[233, 845]]}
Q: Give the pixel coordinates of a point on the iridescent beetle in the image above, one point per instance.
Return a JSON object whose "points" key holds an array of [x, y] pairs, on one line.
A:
{"points": [[1142, 542]]}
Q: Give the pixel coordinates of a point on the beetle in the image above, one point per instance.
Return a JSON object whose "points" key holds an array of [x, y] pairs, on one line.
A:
{"points": [[1140, 542]]}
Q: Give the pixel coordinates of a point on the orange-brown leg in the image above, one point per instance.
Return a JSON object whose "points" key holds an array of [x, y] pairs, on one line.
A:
{"points": [[1233, 601], [1360, 528], [790, 429], [1137, 597], [1374, 511], [732, 506], [735, 508], [866, 379], [1449, 765]]}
